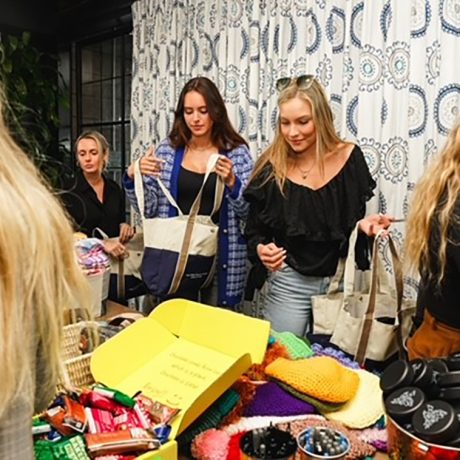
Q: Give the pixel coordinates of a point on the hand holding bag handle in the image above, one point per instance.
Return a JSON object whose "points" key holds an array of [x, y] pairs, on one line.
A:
{"points": [[121, 268], [369, 316], [191, 218]]}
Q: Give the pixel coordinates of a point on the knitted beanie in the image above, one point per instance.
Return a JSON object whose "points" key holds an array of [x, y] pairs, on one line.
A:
{"points": [[365, 408], [296, 347], [322, 377], [320, 406], [270, 399]]}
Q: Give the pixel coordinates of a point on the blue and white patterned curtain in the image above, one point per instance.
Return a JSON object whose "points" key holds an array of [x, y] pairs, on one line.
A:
{"points": [[389, 67]]}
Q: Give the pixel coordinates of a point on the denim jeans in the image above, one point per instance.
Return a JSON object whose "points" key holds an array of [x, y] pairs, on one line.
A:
{"points": [[288, 302]]}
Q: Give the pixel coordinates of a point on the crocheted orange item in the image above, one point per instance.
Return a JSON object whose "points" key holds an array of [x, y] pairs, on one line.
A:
{"points": [[274, 351], [322, 377]]}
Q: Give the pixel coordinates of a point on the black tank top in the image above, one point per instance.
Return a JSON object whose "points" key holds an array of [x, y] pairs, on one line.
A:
{"points": [[189, 184]]}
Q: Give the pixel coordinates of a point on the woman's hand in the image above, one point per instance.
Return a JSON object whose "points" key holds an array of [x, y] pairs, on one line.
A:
{"points": [[150, 164], [126, 233], [115, 249], [224, 169], [271, 256], [371, 225]]}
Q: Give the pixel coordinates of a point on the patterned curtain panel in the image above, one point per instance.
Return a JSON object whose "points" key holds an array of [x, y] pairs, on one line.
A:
{"points": [[388, 66]]}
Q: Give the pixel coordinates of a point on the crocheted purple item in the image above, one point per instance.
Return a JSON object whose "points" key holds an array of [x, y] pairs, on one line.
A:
{"points": [[340, 356], [271, 399]]}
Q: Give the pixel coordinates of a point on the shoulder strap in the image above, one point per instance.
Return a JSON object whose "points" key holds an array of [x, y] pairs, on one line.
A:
{"points": [[184, 253], [369, 316]]}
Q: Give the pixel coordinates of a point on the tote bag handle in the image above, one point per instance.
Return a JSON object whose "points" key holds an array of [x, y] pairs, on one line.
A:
{"points": [[191, 218], [345, 269], [210, 166], [369, 316]]}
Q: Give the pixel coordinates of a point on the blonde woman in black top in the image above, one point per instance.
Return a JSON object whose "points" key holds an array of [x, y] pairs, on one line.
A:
{"points": [[308, 191], [94, 201], [433, 248]]}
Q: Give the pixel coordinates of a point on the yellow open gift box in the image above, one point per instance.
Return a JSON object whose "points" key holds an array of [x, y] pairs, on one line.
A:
{"points": [[185, 355]]}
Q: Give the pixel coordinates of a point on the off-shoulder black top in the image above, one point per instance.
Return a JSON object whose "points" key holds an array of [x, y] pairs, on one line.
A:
{"points": [[312, 225]]}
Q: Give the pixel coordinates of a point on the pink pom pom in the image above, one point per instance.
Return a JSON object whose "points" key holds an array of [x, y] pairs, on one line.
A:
{"points": [[211, 445]]}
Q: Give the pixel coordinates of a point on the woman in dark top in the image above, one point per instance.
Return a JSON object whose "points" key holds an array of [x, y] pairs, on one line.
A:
{"points": [[307, 192], [200, 129], [433, 248], [95, 201]]}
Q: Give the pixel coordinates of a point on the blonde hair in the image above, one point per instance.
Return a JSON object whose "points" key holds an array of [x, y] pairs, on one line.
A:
{"points": [[102, 145], [434, 197], [277, 154], [40, 277]]}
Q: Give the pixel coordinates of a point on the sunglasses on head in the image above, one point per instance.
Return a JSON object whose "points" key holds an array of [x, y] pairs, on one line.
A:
{"points": [[303, 82]]}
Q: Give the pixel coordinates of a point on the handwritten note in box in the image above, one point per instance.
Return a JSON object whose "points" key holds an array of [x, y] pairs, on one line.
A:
{"points": [[184, 354]]}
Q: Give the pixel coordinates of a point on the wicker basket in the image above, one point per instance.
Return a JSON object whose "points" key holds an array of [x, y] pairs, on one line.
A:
{"points": [[76, 359]]}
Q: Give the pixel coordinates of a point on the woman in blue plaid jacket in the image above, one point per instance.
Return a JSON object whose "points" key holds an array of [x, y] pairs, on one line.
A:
{"points": [[201, 128]]}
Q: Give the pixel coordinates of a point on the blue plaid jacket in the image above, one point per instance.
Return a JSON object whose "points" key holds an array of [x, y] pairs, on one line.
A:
{"points": [[231, 268]]}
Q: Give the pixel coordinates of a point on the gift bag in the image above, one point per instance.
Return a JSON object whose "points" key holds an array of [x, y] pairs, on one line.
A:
{"points": [[179, 251], [373, 324], [326, 307]]}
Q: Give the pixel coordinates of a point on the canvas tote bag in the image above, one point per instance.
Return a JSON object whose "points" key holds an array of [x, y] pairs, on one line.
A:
{"points": [[374, 324], [179, 251], [326, 307]]}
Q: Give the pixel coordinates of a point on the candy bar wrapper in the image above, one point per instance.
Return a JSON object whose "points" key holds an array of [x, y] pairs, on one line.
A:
{"points": [[160, 413], [55, 417], [74, 416], [98, 401], [70, 449], [99, 421], [116, 457], [126, 419], [119, 442]]}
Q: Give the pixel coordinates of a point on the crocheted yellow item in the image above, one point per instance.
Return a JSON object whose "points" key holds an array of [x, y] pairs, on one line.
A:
{"points": [[365, 408], [322, 377]]}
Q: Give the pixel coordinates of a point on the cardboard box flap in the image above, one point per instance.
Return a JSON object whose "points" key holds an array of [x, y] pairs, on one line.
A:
{"points": [[188, 371], [224, 330]]}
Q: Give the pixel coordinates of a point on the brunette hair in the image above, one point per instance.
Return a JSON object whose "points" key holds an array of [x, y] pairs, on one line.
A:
{"points": [[223, 135]]}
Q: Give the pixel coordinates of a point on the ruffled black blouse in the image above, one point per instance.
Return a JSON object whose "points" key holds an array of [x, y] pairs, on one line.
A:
{"points": [[312, 225]]}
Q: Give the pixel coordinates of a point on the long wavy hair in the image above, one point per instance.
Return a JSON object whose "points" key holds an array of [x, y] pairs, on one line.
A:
{"points": [[434, 198], [101, 142], [40, 278], [223, 135], [278, 153]]}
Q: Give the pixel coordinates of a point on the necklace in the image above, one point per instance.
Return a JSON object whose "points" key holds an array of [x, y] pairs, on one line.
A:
{"points": [[200, 149], [304, 172]]}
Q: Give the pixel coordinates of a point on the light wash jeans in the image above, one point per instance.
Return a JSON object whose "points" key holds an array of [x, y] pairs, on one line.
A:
{"points": [[288, 302]]}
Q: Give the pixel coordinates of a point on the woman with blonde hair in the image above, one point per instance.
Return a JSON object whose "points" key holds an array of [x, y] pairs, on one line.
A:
{"points": [[307, 192], [40, 279], [94, 201], [433, 248]]}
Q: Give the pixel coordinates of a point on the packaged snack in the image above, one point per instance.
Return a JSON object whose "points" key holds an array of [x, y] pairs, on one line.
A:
{"points": [[55, 417], [99, 421], [74, 416], [98, 401], [115, 395], [119, 442], [159, 412], [127, 418]]}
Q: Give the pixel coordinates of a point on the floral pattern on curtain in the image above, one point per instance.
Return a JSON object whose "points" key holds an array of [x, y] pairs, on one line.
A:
{"points": [[389, 67]]}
